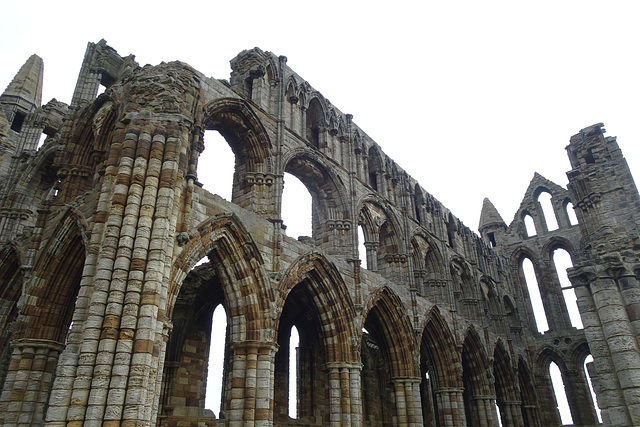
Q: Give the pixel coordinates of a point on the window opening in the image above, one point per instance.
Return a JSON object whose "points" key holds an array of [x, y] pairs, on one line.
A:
{"points": [[529, 225], [561, 396], [362, 250], [534, 295], [296, 207], [544, 200], [43, 136], [499, 414], [562, 261], [215, 368], [216, 165], [492, 239], [587, 360], [18, 120], [571, 213], [294, 340]]}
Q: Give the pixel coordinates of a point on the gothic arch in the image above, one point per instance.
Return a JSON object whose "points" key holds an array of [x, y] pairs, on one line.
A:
{"points": [[386, 319], [328, 192], [234, 256], [90, 139], [316, 121], [332, 303], [11, 280], [240, 126], [507, 392], [530, 409], [55, 280], [438, 344], [478, 392], [557, 242]]}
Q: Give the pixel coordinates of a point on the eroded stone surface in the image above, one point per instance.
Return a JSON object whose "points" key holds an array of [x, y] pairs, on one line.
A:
{"points": [[106, 318]]}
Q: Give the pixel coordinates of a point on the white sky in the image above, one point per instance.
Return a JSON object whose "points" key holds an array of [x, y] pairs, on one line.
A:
{"points": [[469, 97]]}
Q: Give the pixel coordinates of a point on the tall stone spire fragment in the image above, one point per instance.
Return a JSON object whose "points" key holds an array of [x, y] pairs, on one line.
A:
{"points": [[25, 89]]}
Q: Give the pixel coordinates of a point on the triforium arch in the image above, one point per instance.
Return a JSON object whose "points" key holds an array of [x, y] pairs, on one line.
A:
{"points": [[254, 177], [331, 219], [383, 239], [313, 298], [428, 266], [390, 360], [441, 374]]}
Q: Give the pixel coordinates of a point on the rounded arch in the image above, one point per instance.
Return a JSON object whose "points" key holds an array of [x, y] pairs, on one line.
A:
{"points": [[332, 303], [233, 256], [386, 319], [323, 183], [240, 126], [557, 242]]}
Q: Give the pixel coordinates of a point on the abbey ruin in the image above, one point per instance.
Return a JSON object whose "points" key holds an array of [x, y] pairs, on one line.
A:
{"points": [[113, 257]]}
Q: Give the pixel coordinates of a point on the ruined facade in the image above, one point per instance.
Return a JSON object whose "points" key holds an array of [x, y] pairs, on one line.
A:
{"points": [[105, 306]]}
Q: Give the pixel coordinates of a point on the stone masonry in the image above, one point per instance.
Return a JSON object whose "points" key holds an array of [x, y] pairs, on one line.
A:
{"points": [[106, 307]]}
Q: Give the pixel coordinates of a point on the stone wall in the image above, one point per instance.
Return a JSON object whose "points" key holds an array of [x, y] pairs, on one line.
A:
{"points": [[107, 307]]}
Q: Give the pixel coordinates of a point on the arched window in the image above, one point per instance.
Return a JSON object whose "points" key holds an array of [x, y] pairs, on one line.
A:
{"points": [[293, 372], [529, 225], [315, 123], [529, 275], [215, 367], [544, 200], [561, 395], [216, 165], [296, 207], [562, 261], [362, 250], [571, 213]]}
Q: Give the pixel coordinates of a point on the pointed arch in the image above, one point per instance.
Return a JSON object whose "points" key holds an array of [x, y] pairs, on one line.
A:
{"points": [[332, 303], [56, 279], [233, 255], [439, 346], [505, 382], [387, 320], [478, 395]]}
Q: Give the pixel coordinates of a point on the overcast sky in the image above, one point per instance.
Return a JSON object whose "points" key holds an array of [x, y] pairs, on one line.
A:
{"points": [[470, 98]]}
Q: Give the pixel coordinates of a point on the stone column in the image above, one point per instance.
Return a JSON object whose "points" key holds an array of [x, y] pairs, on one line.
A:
{"points": [[372, 255], [408, 402], [623, 348], [450, 407], [483, 409], [26, 389], [345, 403], [250, 399], [511, 413]]}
